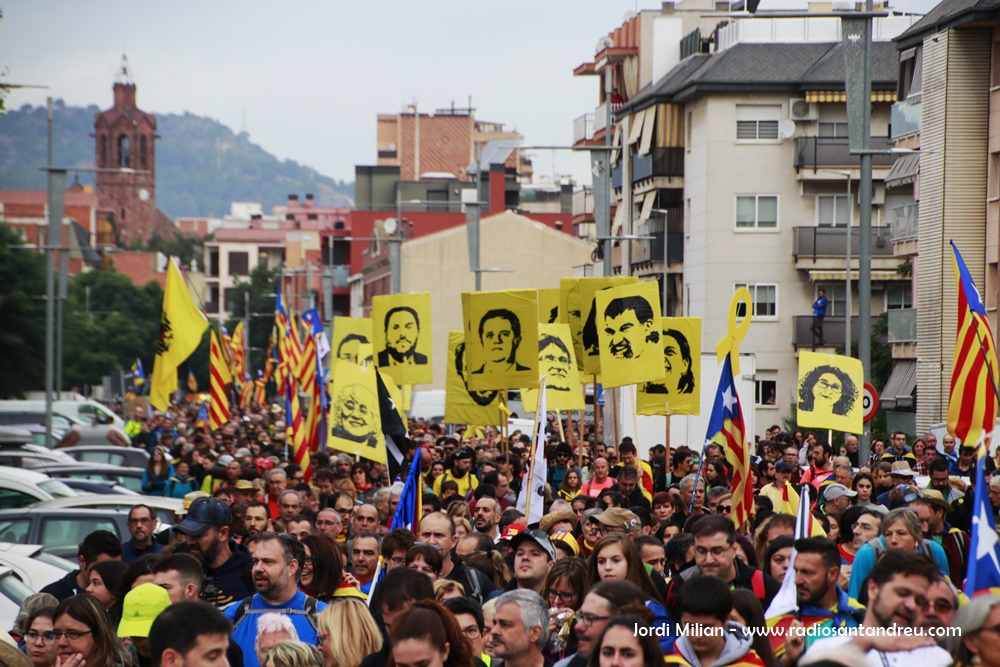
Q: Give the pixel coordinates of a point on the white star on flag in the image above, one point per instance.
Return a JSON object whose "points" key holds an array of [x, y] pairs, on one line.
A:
{"points": [[987, 544], [729, 400]]}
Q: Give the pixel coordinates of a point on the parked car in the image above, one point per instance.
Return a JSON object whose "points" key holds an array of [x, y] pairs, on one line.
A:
{"points": [[35, 572], [61, 530], [165, 508], [18, 449], [20, 488], [96, 486], [117, 456], [130, 478], [13, 593]]}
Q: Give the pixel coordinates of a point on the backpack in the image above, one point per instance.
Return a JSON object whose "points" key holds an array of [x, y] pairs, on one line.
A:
{"points": [[309, 611]]}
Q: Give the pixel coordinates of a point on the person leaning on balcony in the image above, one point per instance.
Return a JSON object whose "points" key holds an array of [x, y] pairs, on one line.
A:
{"points": [[819, 313]]}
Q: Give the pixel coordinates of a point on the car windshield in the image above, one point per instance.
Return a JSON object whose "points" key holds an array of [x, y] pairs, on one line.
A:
{"points": [[56, 488]]}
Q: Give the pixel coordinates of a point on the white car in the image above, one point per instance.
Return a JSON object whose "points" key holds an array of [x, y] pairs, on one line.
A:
{"points": [[165, 508], [20, 488], [32, 565], [13, 592]]}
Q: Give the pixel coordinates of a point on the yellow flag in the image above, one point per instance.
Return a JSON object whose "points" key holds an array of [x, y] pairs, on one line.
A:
{"points": [[181, 328], [355, 418], [461, 404], [679, 393], [628, 334], [401, 328], [557, 362], [830, 392], [501, 330]]}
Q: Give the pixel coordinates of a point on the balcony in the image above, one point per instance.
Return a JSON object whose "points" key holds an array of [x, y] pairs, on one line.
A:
{"points": [[903, 226], [336, 278], [651, 250], [583, 128], [658, 163], [825, 248], [826, 153], [905, 118], [903, 333], [583, 204], [833, 331]]}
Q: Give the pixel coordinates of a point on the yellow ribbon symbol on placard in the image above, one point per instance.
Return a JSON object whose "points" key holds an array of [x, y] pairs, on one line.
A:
{"points": [[476, 431], [504, 410], [730, 343]]}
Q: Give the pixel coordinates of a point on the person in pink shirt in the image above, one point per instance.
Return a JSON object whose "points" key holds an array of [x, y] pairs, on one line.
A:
{"points": [[600, 481]]}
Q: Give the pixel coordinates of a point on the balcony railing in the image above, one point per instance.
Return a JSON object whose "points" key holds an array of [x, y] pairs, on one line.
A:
{"points": [[822, 152], [833, 331], [338, 276], [903, 222], [903, 325], [905, 118], [830, 242], [600, 117], [659, 162], [583, 128], [583, 202]]}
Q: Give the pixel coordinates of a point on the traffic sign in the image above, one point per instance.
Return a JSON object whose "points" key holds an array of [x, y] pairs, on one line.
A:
{"points": [[600, 394], [869, 401]]}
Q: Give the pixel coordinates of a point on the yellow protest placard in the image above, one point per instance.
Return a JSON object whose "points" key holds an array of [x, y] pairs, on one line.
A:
{"points": [[348, 334], [679, 392], [557, 363], [461, 404], [500, 330], [830, 392], [355, 420], [548, 305], [577, 309], [628, 333], [401, 326]]}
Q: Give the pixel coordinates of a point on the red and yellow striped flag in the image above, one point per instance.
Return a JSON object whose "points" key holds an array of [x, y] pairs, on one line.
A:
{"points": [[297, 427], [239, 352], [219, 377], [307, 377]]}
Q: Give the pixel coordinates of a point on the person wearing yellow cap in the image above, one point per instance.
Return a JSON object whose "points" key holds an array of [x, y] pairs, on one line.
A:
{"points": [[142, 605]]}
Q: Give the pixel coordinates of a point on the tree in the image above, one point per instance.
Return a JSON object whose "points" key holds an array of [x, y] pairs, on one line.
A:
{"points": [[262, 287], [22, 316]]}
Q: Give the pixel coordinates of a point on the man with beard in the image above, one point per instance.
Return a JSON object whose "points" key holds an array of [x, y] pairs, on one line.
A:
{"points": [[227, 564], [821, 601], [520, 629], [604, 601], [402, 328], [487, 512], [276, 564], [461, 368], [500, 336], [460, 473], [628, 325], [255, 520], [679, 377], [354, 415], [141, 523], [553, 363], [897, 590]]}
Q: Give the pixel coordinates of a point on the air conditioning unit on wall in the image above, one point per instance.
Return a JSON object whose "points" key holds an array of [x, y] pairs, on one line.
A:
{"points": [[801, 111]]}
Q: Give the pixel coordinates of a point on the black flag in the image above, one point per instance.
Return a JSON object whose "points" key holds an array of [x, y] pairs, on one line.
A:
{"points": [[393, 428]]}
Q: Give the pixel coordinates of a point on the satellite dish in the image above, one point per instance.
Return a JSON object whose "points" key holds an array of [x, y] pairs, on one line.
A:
{"points": [[390, 225], [604, 43]]}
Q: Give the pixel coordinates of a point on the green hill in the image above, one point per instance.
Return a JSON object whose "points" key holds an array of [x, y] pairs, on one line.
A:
{"points": [[201, 165]]}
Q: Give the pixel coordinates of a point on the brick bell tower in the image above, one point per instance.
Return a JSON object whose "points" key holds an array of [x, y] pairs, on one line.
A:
{"points": [[125, 141]]}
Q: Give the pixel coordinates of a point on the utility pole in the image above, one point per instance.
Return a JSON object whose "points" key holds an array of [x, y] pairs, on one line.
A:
{"points": [[53, 241]]}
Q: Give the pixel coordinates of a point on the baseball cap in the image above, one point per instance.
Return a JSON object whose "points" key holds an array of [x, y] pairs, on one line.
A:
{"points": [[203, 514], [782, 466], [835, 490], [226, 459], [464, 453], [539, 538], [141, 607], [512, 530], [619, 517], [241, 452]]}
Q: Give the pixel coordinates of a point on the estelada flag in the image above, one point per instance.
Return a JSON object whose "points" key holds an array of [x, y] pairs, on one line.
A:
{"points": [[628, 334], [501, 330], [679, 393], [557, 362], [182, 326], [461, 404], [355, 420], [829, 392], [577, 309], [401, 335]]}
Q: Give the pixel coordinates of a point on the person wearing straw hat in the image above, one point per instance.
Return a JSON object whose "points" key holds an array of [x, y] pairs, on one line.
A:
{"points": [[902, 475]]}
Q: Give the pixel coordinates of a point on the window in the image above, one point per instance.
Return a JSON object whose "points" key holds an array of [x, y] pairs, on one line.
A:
{"points": [[833, 130], [756, 122], [832, 211], [123, 153], [898, 297], [836, 297], [765, 392], [60, 535], [11, 499], [104, 151], [239, 263], [15, 531], [756, 212], [142, 152], [688, 127], [765, 300]]}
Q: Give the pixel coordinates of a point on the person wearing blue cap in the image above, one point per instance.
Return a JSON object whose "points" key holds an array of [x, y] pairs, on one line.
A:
{"points": [[227, 564]]}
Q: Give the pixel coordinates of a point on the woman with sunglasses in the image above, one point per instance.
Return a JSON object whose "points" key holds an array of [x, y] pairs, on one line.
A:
{"points": [[564, 589], [83, 634], [39, 643]]}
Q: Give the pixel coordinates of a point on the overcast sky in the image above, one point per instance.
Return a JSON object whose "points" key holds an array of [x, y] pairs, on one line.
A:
{"points": [[307, 78]]}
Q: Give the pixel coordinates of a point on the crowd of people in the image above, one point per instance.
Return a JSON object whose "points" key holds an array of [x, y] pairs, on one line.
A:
{"points": [[634, 562]]}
